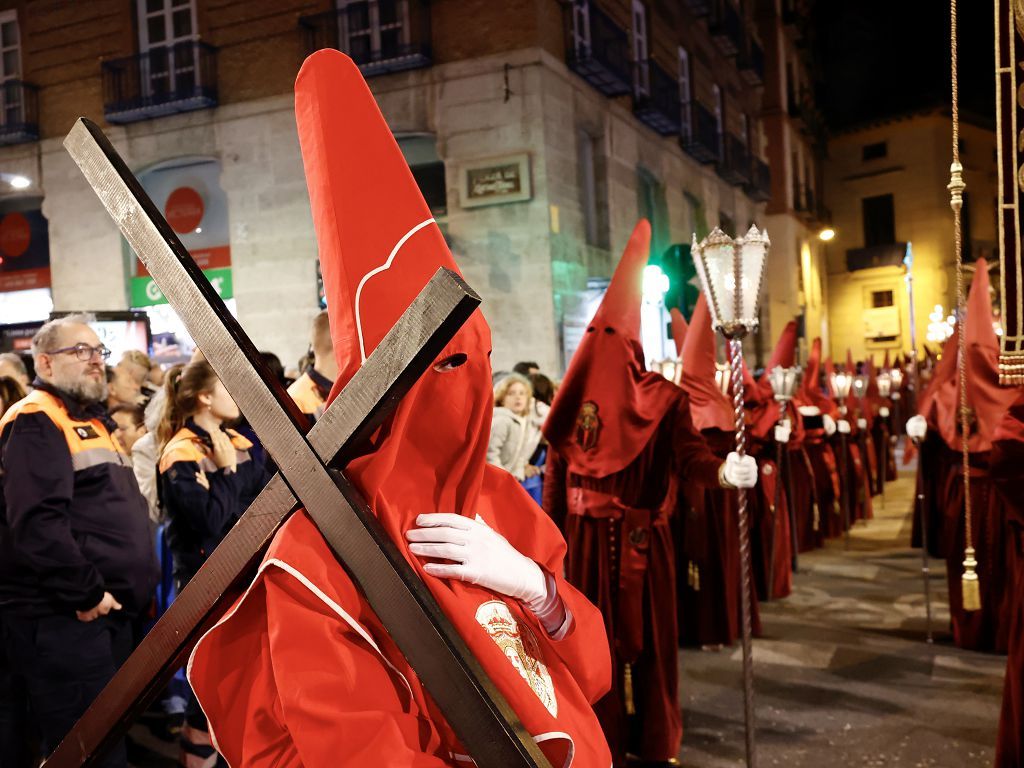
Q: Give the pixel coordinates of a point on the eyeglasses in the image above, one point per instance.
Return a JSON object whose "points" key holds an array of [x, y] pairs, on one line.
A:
{"points": [[84, 352]]}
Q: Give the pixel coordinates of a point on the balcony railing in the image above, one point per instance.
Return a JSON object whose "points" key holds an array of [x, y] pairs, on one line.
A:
{"points": [[602, 58], [660, 108], [759, 188], [698, 7], [734, 164], [19, 112], [390, 37], [699, 136], [161, 81], [750, 61], [725, 27]]}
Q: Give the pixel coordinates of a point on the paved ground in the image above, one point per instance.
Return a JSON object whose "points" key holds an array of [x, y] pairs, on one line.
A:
{"points": [[843, 675]]}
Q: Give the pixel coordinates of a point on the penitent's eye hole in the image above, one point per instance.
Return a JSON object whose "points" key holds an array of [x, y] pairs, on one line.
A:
{"points": [[451, 362], [609, 329]]}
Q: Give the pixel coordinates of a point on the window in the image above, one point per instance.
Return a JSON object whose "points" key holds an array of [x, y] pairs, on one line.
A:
{"points": [[881, 299], [593, 197], [879, 220], [374, 30], [719, 118], [685, 92], [653, 207], [874, 151], [581, 28], [11, 96], [641, 73], [167, 29]]}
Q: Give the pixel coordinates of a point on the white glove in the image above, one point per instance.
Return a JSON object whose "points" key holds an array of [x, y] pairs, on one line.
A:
{"points": [[480, 556], [829, 424], [809, 410], [862, 423], [843, 426], [782, 432], [917, 427], [739, 472], [883, 412]]}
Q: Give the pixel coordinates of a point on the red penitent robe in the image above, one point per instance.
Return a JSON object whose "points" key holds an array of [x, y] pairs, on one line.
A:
{"points": [[1006, 460]]}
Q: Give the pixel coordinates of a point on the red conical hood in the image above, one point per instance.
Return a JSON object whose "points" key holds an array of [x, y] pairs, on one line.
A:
{"points": [[886, 365], [378, 248], [810, 386], [609, 406], [851, 367], [784, 356], [679, 329], [709, 408], [986, 398]]}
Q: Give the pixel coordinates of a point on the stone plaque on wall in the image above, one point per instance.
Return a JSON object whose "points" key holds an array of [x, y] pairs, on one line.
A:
{"points": [[495, 180]]}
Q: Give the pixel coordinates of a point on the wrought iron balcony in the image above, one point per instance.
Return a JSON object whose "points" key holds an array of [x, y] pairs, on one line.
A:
{"points": [[602, 58], [759, 188], [725, 27], [389, 37], [699, 136], [161, 81], [698, 7], [659, 108], [734, 164], [750, 61], [19, 112]]}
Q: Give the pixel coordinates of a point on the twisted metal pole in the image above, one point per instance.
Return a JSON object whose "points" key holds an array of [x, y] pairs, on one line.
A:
{"points": [[736, 363]]}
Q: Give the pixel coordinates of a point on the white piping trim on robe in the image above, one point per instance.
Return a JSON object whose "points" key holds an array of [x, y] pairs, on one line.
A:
{"points": [[378, 270]]}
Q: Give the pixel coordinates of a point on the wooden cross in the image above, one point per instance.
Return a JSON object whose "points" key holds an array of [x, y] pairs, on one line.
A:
{"points": [[476, 710]]}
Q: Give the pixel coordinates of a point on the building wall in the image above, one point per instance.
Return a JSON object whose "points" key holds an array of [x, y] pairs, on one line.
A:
{"points": [[915, 172]]}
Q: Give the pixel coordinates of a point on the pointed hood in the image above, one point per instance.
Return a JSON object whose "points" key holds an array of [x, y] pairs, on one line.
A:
{"points": [[810, 386], [783, 356], [709, 408], [679, 329], [985, 397], [609, 406], [886, 365], [378, 247]]}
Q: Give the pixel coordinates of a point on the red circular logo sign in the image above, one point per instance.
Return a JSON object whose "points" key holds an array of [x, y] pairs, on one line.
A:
{"points": [[184, 210], [14, 234]]}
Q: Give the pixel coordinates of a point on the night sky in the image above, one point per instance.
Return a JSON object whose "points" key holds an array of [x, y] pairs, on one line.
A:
{"points": [[876, 58]]}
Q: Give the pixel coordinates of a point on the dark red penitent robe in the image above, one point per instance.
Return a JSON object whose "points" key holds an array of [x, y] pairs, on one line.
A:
{"points": [[300, 671], [619, 437]]}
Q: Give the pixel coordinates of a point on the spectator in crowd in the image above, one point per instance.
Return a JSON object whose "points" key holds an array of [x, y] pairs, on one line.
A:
{"points": [[76, 557], [11, 392], [146, 452], [515, 427], [526, 368], [131, 424], [123, 388], [311, 389], [207, 480], [543, 388], [276, 367], [13, 366]]}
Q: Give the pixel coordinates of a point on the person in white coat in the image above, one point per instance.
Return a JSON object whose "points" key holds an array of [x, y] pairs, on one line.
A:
{"points": [[515, 427]]}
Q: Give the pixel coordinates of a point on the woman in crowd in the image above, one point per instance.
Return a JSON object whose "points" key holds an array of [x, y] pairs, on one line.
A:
{"points": [[10, 393], [207, 480], [515, 430]]}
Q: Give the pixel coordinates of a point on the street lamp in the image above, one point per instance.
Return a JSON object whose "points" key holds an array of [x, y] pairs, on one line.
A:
{"points": [[840, 384], [826, 234], [783, 382], [731, 272]]}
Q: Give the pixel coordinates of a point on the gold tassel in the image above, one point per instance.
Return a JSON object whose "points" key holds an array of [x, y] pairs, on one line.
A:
{"points": [[627, 673], [969, 586]]}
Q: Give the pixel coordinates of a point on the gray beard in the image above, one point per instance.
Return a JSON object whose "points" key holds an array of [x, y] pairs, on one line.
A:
{"points": [[82, 389]]}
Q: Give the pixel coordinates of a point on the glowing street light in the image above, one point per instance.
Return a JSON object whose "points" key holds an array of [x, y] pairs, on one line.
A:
{"points": [[826, 234]]}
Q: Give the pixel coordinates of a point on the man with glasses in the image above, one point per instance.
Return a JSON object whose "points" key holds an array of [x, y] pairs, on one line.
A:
{"points": [[76, 557]]}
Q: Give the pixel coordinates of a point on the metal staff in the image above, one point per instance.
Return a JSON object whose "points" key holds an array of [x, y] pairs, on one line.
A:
{"points": [[783, 382], [908, 262], [731, 273]]}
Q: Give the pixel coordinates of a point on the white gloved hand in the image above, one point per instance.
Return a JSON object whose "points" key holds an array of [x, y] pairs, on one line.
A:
{"points": [[917, 427], [480, 556], [883, 412], [782, 432], [739, 471], [829, 423], [862, 423], [843, 426], [809, 410]]}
